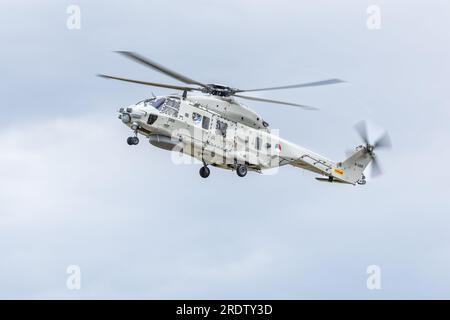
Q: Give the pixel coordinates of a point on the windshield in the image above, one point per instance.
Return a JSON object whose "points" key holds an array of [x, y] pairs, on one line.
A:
{"points": [[171, 107], [156, 103]]}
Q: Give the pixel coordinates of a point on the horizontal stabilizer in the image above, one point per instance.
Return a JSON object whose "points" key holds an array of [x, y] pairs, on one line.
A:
{"points": [[331, 181]]}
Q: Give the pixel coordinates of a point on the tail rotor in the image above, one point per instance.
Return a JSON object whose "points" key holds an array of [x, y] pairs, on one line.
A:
{"points": [[383, 142]]}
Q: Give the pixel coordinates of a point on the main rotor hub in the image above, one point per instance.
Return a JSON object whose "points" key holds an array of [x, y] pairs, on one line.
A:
{"points": [[219, 90]]}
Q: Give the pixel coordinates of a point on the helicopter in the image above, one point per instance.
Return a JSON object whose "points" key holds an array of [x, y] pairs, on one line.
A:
{"points": [[219, 131]]}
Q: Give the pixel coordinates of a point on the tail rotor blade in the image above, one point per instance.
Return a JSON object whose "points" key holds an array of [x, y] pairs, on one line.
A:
{"points": [[361, 128], [383, 142], [376, 169]]}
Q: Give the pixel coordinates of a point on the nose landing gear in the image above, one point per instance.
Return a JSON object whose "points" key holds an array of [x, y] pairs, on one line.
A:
{"points": [[132, 141]]}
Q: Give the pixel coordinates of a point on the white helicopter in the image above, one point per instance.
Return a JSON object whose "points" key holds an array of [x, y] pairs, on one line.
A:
{"points": [[221, 132]]}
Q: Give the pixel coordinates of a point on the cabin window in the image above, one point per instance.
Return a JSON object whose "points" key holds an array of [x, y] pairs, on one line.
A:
{"points": [[221, 128], [205, 123], [258, 143], [197, 118]]}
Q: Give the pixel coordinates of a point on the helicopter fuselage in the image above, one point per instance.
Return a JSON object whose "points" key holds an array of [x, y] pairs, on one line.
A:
{"points": [[217, 131]]}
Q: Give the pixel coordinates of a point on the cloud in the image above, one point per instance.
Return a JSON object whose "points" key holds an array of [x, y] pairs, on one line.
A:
{"points": [[73, 192]]}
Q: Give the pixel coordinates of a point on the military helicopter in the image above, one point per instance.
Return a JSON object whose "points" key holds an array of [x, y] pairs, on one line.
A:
{"points": [[221, 132]]}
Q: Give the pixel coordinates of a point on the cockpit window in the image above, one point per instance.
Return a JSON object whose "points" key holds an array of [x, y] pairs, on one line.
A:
{"points": [[170, 107], [158, 103], [146, 102]]}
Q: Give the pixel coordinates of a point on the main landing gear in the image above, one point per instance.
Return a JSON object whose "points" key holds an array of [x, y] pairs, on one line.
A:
{"points": [[132, 141], [204, 172], [241, 170]]}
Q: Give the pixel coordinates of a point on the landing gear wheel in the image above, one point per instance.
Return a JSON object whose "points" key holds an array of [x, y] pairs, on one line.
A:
{"points": [[132, 141], [241, 170], [204, 172]]}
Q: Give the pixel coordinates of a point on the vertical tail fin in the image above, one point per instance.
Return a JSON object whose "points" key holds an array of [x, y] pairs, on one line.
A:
{"points": [[351, 170]]}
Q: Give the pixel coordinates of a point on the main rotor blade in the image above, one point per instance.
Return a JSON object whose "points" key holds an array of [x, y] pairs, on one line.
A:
{"points": [[276, 101], [160, 68], [153, 84], [302, 85], [383, 142], [361, 128], [376, 169]]}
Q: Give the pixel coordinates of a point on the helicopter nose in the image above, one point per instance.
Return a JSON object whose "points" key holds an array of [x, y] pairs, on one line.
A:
{"points": [[125, 117], [129, 113], [125, 114]]}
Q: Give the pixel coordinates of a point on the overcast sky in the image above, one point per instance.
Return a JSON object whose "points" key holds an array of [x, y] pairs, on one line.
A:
{"points": [[73, 193]]}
